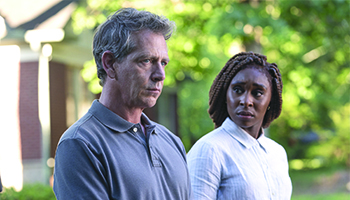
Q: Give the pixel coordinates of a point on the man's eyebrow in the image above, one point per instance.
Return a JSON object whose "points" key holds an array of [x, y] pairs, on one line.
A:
{"points": [[166, 59], [147, 55]]}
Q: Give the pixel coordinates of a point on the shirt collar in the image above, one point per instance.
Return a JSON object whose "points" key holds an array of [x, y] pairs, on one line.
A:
{"points": [[242, 136], [149, 125], [263, 141], [114, 121]]}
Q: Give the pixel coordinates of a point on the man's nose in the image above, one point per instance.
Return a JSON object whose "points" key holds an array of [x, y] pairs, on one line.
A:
{"points": [[158, 72], [246, 100]]}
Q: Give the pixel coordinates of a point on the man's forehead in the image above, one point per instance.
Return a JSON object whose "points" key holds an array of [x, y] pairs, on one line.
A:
{"points": [[149, 53], [150, 44]]}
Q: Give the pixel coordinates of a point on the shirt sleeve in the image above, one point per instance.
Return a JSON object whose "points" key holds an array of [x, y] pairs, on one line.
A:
{"points": [[205, 170], [78, 174]]}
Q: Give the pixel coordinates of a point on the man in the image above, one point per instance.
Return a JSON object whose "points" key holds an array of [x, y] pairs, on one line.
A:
{"points": [[115, 151]]}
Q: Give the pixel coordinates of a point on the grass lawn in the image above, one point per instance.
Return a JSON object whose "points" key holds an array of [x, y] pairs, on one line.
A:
{"points": [[340, 196], [321, 184]]}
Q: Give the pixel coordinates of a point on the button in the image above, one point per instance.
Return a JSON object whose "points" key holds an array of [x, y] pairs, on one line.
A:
{"points": [[134, 129]]}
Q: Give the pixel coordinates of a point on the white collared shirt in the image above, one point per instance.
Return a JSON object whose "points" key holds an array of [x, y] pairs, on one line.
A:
{"points": [[228, 164]]}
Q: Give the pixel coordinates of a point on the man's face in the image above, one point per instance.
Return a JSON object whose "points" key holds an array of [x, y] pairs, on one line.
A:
{"points": [[141, 74]]}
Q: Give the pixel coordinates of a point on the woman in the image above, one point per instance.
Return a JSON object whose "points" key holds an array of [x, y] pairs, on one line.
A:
{"points": [[236, 160]]}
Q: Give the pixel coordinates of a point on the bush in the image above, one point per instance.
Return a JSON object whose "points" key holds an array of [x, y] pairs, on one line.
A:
{"points": [[29, 192]]}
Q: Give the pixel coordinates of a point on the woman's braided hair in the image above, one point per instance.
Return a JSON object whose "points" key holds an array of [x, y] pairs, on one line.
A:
{"points": [[217, 94]]}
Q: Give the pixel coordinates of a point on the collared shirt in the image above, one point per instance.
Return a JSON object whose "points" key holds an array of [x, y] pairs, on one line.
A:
{"points": [[228, 164], [103, 156]]}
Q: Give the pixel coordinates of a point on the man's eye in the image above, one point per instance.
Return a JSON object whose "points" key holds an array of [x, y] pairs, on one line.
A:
{"points": [[164, 63], [146, 61]]}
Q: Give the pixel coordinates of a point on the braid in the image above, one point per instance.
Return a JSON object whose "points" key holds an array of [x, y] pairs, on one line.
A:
{"points": [[217, 94], [276, 96]]}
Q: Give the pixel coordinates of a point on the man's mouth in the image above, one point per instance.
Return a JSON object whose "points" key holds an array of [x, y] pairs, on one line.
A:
{"points": [[154, 89]]}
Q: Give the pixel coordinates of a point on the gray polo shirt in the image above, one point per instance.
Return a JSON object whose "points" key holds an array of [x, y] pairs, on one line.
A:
{"points": [[103, 156]]}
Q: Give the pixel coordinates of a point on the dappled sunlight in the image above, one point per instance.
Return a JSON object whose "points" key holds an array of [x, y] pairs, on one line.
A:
{"points": [[3, 30], [11, 168], [309, 41], [299, 164], [314, 54], [204, 62], [90, 76], [234, 48]]}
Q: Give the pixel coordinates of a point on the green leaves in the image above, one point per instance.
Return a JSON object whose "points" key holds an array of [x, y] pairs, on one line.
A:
{"points": [[309, 40]]}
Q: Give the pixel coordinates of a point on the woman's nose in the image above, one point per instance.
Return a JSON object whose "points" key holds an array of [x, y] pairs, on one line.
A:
{"points": [[246, 100]]}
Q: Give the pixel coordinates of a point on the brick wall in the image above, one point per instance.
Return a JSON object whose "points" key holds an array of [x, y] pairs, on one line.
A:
{"points": [[57, 103], [28, 111]]}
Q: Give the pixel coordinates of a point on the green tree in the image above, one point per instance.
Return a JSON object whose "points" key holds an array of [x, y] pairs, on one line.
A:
{"points": [[309, 40]]}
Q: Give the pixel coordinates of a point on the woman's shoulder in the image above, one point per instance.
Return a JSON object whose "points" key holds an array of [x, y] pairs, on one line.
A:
{"points": [[213, 141], [214, 137], [272, 143], [275, 149]]}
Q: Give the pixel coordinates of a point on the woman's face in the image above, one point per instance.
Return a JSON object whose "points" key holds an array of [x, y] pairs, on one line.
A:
{"points": [[248, 97]]}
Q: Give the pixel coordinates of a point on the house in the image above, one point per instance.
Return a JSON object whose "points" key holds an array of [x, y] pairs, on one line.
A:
{"points": [[43, 91]]}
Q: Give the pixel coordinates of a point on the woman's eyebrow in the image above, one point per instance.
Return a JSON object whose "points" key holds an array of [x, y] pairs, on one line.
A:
{"points": [[238, 83], [255, 84], [260, 85]]}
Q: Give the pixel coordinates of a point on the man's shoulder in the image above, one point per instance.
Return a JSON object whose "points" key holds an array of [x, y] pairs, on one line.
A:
{"points": [[166, 134], [81, 128], [162, 130]]}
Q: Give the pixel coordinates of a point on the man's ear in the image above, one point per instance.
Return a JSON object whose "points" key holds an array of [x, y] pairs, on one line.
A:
{"points": [[108, 64]]}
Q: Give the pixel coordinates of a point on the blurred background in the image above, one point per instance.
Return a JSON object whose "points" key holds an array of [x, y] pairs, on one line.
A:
{"points": [[49, 80]]}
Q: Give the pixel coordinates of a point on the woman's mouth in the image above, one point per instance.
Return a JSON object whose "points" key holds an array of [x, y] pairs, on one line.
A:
{"points": [[245, 114]]}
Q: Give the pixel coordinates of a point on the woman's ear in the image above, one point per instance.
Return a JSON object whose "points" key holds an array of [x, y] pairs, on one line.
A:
{"points": [[108, 61]]}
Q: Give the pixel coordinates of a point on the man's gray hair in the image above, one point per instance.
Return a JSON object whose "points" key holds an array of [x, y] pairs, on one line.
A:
{"points": [[115, 34]]}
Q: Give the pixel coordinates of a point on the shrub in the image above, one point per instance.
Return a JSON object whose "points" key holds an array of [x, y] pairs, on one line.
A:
{"points": [[29, 192]]}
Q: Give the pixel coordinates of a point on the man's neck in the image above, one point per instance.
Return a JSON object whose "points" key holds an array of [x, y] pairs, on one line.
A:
{"points": [[132, 115]]}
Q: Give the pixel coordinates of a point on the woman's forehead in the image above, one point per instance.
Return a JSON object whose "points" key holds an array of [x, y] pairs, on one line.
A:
{"points": [[251, 75]]}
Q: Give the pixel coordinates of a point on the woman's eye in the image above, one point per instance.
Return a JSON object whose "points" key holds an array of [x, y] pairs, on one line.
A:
{"points": [[238, 90], [258, 93]]}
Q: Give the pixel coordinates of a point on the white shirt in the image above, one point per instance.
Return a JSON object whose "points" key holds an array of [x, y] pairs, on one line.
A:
{"points": [[228, 163]]}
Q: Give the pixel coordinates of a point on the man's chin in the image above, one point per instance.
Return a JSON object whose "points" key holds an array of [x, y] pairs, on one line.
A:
{"points": [[149, 103]]}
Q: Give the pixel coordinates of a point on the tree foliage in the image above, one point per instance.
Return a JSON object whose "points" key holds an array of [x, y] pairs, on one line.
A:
{"points": [[309, 40]]}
